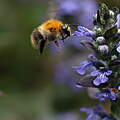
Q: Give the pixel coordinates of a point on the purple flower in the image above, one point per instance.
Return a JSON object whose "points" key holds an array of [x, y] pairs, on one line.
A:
{"points": [[84, 66], [103, 49], [101, 76], [118, 47], [82, 31], [118, 21], [97, 113], [109, 118], [106, 94], [91, 114]]}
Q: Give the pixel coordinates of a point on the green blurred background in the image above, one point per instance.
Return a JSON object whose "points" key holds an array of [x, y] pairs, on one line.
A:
{"points": [[27, 88]]}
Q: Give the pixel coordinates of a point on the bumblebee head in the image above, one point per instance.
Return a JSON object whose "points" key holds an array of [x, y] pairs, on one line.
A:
{"points": [[65, 31]]}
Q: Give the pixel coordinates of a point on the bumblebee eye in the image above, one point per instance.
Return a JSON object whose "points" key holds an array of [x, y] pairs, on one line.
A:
{"points": [[65, 31], [64, 27]]}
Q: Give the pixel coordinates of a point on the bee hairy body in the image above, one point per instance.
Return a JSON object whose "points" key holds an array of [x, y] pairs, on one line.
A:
{"points": [[50, 30]]}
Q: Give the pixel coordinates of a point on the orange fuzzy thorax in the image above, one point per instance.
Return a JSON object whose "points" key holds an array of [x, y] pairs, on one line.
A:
{"points": [[52, 25]]}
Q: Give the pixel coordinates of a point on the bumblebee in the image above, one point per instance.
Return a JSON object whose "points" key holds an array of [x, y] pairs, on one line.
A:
{"points": [[49, 31]]}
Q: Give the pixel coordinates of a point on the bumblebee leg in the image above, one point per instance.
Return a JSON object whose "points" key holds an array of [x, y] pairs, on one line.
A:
{"points": [[62, 37], [56, 43], [41, 45]]}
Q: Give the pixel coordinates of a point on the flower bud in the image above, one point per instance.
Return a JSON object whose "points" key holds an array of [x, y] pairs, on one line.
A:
{"points": [[103, 49], [118, 31], [118, 47], [97, 30], [112, 14], [118, 21], [100, 40], [113, 57]]}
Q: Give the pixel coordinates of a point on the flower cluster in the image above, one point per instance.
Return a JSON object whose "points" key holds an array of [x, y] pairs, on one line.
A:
{"points": [[101, 74], [101, 70], [106, 46]]}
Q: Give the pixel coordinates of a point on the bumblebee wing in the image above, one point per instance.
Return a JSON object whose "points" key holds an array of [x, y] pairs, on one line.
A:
{"points": [[52, 10]]}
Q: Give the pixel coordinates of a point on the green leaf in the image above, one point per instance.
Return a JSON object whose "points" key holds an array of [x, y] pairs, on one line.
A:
{"points": [[111, 32]]}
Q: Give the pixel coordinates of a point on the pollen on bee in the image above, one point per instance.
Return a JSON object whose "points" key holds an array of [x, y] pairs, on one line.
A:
{"points": [[53, 25]]}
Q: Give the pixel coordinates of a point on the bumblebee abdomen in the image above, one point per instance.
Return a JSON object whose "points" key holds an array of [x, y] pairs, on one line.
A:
{"points": [[36, 36]]}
